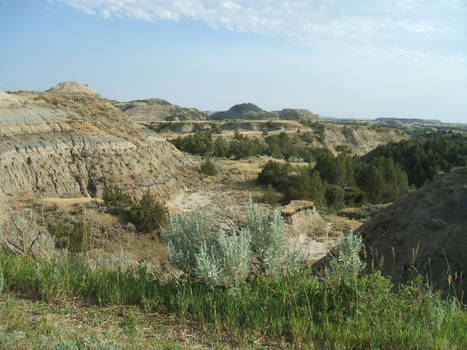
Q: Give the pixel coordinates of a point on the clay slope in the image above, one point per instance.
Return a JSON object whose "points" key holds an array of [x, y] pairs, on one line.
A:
{"points": [[361, 139], [69, 141], [429, 224], [156, 109]]}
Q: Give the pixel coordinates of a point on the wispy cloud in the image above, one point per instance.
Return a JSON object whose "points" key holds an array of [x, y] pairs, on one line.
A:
{"points": [[426, 26]]}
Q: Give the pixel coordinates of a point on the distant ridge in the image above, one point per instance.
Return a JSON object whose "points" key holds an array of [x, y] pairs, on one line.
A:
{"points": [[250, 111], [408, 120]]}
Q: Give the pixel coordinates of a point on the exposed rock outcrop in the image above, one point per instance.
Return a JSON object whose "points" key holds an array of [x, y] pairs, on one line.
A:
{"points": [[69, 142], [361, 139], [302, 218]]}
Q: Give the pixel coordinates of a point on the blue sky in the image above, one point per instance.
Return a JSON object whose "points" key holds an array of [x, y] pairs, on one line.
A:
{"points": [[359, 59]]}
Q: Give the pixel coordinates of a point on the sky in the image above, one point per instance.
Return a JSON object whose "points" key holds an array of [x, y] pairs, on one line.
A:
{"points": [[340, 58]]}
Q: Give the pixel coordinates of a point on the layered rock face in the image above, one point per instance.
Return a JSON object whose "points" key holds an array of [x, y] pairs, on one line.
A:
{"points": [[156, 109], [425, 232], [69, 142], [361, 139], [303, 219]]}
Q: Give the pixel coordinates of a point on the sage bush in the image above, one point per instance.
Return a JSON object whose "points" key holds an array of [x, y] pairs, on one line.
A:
{"points": [[206, 252]]}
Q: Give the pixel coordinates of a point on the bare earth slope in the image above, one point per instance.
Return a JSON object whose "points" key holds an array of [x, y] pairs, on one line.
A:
{"points": [[361, 139], [69, 142], [429, 224], [156, 109]]}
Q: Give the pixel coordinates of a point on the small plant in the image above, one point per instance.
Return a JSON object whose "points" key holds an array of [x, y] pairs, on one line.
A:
{"points": [[148, 214], [346, 264], [114, 196], [74, 237], [129, 321], [267, 239], [208, 168], [2, 281], [9, 339]]}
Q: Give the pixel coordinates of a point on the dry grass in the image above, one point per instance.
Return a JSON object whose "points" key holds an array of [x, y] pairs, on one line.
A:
{"points": [[67, 203]]}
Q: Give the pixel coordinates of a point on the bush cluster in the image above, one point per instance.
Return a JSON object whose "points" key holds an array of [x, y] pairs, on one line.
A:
{"points": [[426, 155], [207, 253], [114, 196], [148, 214], [75, 237], [208, 168]]}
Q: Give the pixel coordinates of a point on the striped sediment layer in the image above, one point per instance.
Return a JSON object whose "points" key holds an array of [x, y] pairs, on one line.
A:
{"points": [[61, 143]]}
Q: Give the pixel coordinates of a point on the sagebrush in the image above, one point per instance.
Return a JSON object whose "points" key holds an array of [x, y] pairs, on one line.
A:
{"points": [[204, 251]]}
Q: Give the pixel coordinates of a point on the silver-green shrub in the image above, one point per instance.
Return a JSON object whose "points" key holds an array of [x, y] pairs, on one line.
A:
{"points": [[224, 261], [347, 263], [267, 238], [203, 251], [185, 235]]}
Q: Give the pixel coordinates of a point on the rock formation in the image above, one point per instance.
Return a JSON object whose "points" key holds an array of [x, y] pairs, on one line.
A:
{"points": [[69, 141], [302, 218], [156, 109]]}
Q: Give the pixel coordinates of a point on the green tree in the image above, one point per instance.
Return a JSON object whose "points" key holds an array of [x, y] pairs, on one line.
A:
{"points": [[148, 214]]}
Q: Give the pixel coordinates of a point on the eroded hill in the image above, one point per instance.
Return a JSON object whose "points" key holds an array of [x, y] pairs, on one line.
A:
{"points": [[250, 111], [69, 142], [156, 109], [425, 232]]}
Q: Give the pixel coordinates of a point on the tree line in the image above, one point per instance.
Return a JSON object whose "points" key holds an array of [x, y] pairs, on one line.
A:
{"points": [[279, 146], [381, 176]]}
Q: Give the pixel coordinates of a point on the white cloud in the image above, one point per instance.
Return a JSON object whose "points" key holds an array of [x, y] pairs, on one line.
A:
{"points": [[405, 24]]}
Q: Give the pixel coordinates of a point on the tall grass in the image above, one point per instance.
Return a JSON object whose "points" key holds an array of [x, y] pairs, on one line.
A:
{"points": [[299, 308]]}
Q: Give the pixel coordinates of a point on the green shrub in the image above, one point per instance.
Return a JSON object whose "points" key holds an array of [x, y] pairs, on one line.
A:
{"points": [[271, 196], [114, 196], [335, 197], [148, 214], [224, 261], [73, 237], [208, 168]]}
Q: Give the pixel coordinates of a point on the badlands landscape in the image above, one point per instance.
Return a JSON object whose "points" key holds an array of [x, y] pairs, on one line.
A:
{"points": [[144, 224]]}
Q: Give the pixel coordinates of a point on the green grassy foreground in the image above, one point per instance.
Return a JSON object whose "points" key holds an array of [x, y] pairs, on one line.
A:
{"points": [[296, 310]]}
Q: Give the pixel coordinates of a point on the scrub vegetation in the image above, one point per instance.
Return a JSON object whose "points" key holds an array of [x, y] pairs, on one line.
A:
{"points": [[257, 304]]}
